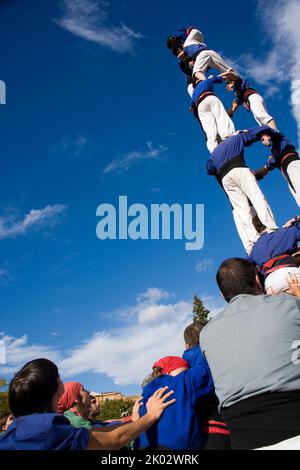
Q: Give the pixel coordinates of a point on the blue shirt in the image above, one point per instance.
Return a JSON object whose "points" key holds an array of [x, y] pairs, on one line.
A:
{"points": [[231, 148], [48, 431], [194, 49], [194, 356], [205, 86], [270, 245], [180, 425], [240, 89], [280, 144]]}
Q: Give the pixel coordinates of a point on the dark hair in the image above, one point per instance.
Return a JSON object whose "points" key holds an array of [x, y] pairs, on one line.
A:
{"points": [[171, 41], [237, 276], [33, 388], [3, 421], [191, 333]]}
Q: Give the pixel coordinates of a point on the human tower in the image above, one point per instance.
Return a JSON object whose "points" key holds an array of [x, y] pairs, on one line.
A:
{"points": [[252, 214]]}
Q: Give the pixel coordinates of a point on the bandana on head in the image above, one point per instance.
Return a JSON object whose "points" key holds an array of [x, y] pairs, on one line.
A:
{"points": [[170, 363], [69, 396]]}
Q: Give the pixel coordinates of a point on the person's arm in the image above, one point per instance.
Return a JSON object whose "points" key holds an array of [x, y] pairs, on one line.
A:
{"points": [[234, 107], [261, 172], [115, 439], [200, 381]]}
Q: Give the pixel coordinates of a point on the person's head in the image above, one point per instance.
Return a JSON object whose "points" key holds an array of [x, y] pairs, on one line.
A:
{"points": [[266, 140], [36, 388], [171, 365], [191, 334], [230, 85], [175, 44], [238, 276], [95, 407], [75, 397], [5, 421]]}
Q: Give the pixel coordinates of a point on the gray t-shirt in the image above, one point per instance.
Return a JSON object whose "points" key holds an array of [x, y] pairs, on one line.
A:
{"points": [[251, 347]]}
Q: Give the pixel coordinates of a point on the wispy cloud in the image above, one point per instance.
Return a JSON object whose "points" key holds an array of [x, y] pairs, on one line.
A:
{"points": [[204, 265], [281, 64], [127, 161], [89, 19], [152, 328], [35, 219], [75, 145], [5, 276]]}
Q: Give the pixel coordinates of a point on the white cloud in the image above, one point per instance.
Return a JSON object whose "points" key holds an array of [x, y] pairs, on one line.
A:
{"points": [[129, 159], [89, 20], [36, 218], [153, 328], [281, 64], [204, 265], [18, 351]]}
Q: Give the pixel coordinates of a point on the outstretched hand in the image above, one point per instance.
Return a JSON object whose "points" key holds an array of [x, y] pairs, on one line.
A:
{"points": [[294, 285], [157, 403], [136, 409]]}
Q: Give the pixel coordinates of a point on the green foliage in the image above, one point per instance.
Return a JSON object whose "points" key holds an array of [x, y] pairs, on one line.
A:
{"points": [[4, 408], [114, 409], [200, 313], [3, 383]]}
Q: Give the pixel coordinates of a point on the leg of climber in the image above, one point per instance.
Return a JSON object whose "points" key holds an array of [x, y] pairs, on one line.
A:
{"points": [[225, 125], [209, 59], [260, 112], [293, 173], [242, 212], [208, 123], [251, 189]]}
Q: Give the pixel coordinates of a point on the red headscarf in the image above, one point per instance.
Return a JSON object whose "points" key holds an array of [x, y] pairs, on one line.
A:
{"points": [[170, 363], [69, 396]]}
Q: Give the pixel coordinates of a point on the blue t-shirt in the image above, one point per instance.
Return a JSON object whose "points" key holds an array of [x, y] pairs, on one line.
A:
{"points": [[194, 356], [231, 148], [270, 245], [281, 145], [180, 425], [48, 431], [240, 89], [205, 86]]}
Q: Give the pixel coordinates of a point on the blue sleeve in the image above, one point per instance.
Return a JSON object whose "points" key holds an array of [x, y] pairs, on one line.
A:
{"points": [[66, 437], [199, 382], [295, 231], [211, 169], [251, 135], [217, 79], [271, 163]]}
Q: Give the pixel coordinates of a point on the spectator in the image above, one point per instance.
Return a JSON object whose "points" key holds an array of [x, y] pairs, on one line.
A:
{"points": [[180, 429], [94, 412], [249, 349], [75, 404], [33, 398], [216, 435]]}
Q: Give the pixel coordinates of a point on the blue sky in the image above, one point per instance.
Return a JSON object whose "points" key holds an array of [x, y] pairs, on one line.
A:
{"points": [[90, 83]]}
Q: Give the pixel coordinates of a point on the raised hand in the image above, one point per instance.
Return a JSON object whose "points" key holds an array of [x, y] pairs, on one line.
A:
{"points": [[157, 403]]}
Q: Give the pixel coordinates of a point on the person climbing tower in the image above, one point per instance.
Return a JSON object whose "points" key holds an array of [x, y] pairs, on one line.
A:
{"points": [[247, 96], [209, 109], [284, 157], [188, 44], [227, 163]]}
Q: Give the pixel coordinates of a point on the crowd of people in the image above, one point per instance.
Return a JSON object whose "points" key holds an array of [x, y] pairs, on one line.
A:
{"points": [[237, 384]]}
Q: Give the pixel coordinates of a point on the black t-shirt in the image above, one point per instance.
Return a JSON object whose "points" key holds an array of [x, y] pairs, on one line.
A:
{"points": [[263, 420]]}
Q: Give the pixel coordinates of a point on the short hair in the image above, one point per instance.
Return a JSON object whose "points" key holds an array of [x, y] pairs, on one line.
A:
{"points": [[237, 276], [33, 388], [192, 332], [156, 372]]}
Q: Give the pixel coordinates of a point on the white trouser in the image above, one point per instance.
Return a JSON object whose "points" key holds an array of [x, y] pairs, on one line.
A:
{"points": [[289, 444], [215, 121], [277, 281], [241, 186], [259, 109], [241, 229], [293, 170], [208, 59]]}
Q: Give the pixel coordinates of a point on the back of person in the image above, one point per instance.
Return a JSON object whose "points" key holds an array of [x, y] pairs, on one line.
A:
{"points": [[46, 431], [249, 348], [179, 428]]}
